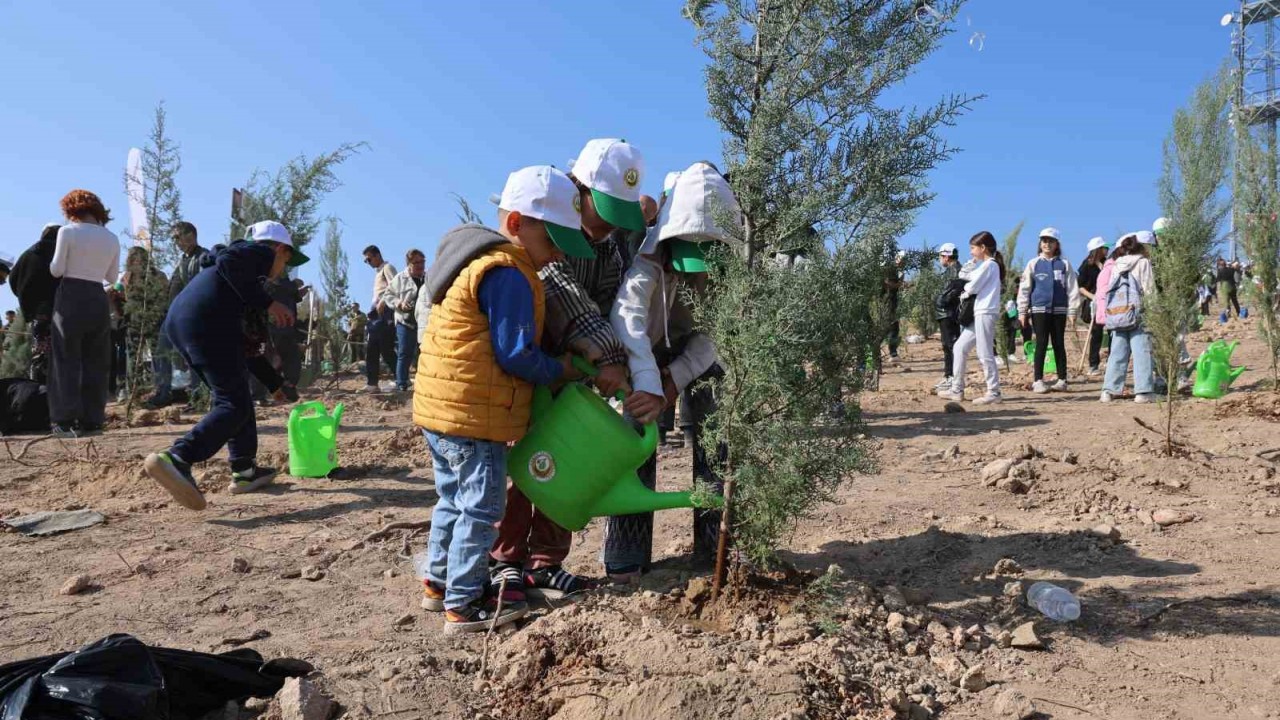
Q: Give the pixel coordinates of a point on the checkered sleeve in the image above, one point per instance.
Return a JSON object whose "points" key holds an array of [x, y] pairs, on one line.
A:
{"points": [[574, 321]]}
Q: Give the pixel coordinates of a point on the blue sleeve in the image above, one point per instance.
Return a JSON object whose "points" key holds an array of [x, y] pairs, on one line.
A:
{"points": [[243, 266], [507, 300]]}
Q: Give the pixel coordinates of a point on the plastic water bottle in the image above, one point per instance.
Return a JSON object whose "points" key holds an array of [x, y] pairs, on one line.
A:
{"points": [[1056, 603], [420, 564]]}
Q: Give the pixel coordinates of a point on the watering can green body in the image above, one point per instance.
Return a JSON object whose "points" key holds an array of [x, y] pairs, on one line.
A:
{"points": [[313, 439], [1029, 352], [1214, 373], [579, 460]]}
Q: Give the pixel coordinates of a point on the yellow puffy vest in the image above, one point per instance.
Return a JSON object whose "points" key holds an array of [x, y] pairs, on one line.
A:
{"points": [[460, 388]]}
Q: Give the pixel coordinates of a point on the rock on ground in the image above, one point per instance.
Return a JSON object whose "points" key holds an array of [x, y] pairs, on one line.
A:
{"points": [[1025, 638], [300, 699], [1014, 705], [76, 584], [998, 469], [1165, 517]]}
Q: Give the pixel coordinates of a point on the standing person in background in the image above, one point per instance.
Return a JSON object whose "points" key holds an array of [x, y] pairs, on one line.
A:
{"points": [[1227, 288], [1087, 280], [35, 287], [86, 254], [892, 290], [356, 333], [381, 329], [982, 289], [1047, 296], [146, 300], [401, 296], [188, 265], [1130, 281], [284, 338], [947, 308]]}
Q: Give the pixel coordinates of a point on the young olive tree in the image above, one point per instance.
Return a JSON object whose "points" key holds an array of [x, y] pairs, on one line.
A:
{"points": [[1259, 206]]}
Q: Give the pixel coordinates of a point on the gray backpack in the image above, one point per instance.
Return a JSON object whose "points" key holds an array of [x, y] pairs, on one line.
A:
{"points": [[1124, 303]]}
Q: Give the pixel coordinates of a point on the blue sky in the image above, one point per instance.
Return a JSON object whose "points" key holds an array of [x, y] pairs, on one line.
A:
{"points": [[453, 96]]}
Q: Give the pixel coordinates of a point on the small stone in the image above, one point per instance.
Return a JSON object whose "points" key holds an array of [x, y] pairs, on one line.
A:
{"points": [[76, 584], [302, 700], [931, 456], [953, 451], [1106, 532], [240, 565], [313, 550], [896, 698], [1013, 485], [405, 619], [1014, 705], [1004, 639], [893, 598], [256, 704], [953, 408], [1006, 567], [387, 673], [952, 667], [291, 574], [1069, 457], [1165, 517], [312, 573], [164, 547], [974, 679], [998, 469], [1025, 638], [390, 573], [896, 621], [919, 712]]}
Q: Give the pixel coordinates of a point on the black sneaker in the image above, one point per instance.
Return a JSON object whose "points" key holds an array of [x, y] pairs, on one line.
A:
{"points": [[481, 615], [555, 583], [175, 477], [247, 481], [509, 577], [290, 392]]}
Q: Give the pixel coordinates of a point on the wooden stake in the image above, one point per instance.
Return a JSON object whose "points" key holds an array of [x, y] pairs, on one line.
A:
{"points": [[722, 545]]}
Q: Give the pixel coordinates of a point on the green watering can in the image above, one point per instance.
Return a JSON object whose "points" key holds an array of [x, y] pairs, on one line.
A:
{"points": [[1214, 373], [1029, 352], [313, 439], [579, 459]]}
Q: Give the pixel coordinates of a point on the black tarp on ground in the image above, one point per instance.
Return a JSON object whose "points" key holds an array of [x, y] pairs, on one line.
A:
{"points": [[119, 678]]}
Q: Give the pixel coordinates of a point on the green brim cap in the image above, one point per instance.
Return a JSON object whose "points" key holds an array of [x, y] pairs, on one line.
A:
{"points": [[619, 213], [298, 258], [570, 240], [688, 257]]}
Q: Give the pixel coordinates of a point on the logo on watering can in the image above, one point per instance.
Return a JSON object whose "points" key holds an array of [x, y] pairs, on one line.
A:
{"points": [[542, 466]]}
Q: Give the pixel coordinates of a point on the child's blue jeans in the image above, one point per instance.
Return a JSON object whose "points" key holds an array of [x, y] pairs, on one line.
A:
{"points": [[471, 480]]}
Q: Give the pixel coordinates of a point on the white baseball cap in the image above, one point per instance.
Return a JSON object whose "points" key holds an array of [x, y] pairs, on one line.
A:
{"points": [[612, 170], [948, 249], [272, 231], [1146, 237], [1159, 225], [1096, 243], [669, 182], [1051, 233], [544, 193]]}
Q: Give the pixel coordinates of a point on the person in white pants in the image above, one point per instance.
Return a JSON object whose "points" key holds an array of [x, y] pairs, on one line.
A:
{"points": [[985, 281]]}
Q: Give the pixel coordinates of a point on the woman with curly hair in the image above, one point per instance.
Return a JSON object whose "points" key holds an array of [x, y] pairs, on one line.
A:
{"points": [[85, 256]]}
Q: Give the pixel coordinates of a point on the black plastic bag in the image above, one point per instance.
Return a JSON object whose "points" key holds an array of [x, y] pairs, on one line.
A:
{"points": [[119, 678]]}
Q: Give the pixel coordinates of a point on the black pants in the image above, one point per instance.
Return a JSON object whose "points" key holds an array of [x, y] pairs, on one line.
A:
{"points": [[381, 346], [950, 333], [1050, 327], [628, 539], [1095, 345], [79, 373], [895, 333], [231, 420], [285, 342]]}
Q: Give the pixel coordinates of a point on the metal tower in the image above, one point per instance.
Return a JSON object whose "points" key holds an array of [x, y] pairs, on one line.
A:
{"points": [[1257, 53]]}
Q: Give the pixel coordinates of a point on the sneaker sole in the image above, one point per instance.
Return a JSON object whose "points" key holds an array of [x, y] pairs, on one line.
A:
{"points": [[187, 495], [506, 618], [257, 484], [432, 604]]}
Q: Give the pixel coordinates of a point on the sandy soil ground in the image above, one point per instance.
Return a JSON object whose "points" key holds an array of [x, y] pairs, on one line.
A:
{"points": [[914, 620]]}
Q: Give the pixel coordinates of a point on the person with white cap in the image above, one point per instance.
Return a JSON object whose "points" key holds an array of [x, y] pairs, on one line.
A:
{"points": [[979, 307], [667, 354], [947, 309], [480, 360], [1047, 296], [1087, 280], [205, 325], [1125, 284]]}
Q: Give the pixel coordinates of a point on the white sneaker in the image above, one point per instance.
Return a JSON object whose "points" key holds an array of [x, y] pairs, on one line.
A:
{"points": [[952, 396], [1012, 359], [372, 390], [1094, 372], [1060, 385], [943, 384], [989, 399], [1039, 388], [1143, 399], [1105, 397]]}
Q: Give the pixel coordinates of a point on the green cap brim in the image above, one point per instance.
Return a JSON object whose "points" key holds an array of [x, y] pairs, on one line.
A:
{"points": [[298, 258], [619, 213], [570, 240], [688, 257]]}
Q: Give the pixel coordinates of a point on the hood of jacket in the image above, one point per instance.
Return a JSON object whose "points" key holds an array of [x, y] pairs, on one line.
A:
{"points": [[456, 250], [701, 207], [1128, 262]]}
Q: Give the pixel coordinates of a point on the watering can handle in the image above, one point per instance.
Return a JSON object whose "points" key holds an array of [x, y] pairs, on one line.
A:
{"points": [[584, 366], [650, 437]]}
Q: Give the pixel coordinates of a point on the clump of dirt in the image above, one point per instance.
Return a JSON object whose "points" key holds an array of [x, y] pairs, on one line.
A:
{"points": [[1263, 406]]}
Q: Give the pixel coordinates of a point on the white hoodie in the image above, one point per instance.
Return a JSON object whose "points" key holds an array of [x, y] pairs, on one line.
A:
{"points": [[1140, 268], [984, 286]]}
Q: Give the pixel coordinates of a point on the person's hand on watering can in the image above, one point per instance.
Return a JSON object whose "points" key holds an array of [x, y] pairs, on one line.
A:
{"points": [[280, 315], [644, 407], [669, 387], [612, 379]]}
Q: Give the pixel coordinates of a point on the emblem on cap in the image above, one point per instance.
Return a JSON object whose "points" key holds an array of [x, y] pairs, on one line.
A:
{"points": [[577, 203], [542, 466], [632, 177]]}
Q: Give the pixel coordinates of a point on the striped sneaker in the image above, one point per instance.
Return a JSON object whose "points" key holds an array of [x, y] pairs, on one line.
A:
{"points": [[509, 577], [482, 614], [555, 583], [432, 597]]}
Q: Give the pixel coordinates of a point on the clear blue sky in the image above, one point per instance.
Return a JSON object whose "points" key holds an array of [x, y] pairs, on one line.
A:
{"points": [[453, 96]]}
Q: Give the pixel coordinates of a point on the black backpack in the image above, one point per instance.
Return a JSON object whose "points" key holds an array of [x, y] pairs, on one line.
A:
{"points": [[24, 407]]}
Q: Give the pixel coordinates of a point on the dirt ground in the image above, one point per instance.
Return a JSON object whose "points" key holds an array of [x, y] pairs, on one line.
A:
{"points": [[926, 566]]}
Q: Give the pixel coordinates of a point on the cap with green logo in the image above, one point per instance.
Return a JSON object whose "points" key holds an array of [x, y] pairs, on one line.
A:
{"points": [[612, 170]]}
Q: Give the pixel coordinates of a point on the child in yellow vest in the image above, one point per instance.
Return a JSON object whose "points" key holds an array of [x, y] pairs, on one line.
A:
{"points": [[479, 361]]}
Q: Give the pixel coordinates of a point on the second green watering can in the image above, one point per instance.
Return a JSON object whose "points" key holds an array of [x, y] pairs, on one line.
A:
{"points": [[579, 460], [313, 439], [1214, 373], [1029, 352]]}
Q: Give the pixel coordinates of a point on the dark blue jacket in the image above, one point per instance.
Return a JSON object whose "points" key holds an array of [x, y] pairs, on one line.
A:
{"points": [[1049, 287], [205, 319]]}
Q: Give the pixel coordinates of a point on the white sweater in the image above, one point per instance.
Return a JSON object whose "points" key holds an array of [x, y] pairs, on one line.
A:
{"points": [[85, 251], [984, 286]]}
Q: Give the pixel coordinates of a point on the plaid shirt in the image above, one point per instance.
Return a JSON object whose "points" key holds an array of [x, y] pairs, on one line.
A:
{"points": [[580, 295]]}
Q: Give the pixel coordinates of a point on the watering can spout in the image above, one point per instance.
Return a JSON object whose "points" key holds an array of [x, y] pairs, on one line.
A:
{"points": [[1235, 373], [628, 497]]}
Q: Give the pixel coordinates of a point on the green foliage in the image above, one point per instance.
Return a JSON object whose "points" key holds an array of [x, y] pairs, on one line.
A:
{"points": [[1197, 159], [1013, 266], [813, 152], [146, 301], [465, 213], [924, 283], [161, 161], [15, 355], [1259, 204], [825, 599], [293, 194], [333, 273]]}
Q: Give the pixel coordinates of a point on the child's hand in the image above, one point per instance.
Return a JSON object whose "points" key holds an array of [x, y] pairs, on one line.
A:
{"points": [[644, 407], [612, 378], [280, 315], [669, 387]]}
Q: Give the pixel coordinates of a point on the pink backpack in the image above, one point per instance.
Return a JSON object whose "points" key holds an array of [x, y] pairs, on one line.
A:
{"points": [[1104, 281]]}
